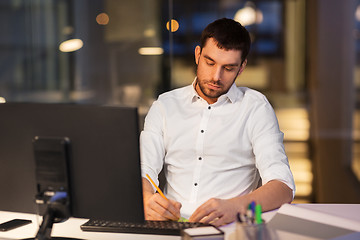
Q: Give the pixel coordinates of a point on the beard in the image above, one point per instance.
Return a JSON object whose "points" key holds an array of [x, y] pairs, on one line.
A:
{"points": [[212, 93]]}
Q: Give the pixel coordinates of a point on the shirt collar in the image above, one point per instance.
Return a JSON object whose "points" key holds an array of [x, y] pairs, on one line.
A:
{"points": [[233, 94], [194, 95]]}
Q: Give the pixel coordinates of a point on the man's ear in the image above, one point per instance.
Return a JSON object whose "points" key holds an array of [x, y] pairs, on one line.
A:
{"points": [[243, 65], [197, 54]]}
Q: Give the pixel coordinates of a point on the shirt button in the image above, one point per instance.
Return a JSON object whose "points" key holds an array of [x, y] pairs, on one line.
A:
{"points": [[200, 158], [209, 107], [202, 131], [195, 184]]}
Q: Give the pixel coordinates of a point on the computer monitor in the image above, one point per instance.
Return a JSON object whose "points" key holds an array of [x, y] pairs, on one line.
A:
{"points": [[104, 166]]}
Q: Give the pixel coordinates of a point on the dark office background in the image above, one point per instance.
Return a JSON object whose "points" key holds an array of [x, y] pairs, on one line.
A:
{"points": [[305, 58]]}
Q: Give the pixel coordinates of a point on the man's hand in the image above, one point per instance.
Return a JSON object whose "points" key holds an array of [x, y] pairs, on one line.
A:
{"points": [[158, 208], [217, 211]]}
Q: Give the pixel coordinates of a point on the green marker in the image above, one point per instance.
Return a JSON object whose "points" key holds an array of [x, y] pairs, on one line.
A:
{"points": [[258, 219]]}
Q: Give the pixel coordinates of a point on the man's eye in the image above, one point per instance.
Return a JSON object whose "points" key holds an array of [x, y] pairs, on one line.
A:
{"points": [[210, 63], [229, 69]]}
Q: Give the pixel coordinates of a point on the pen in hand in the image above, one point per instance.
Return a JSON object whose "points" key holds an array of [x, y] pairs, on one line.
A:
{"points": [[157, 188], [162, 195]]}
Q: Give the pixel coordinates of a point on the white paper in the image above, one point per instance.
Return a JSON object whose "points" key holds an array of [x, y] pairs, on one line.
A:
{"points": [[202, 231]]}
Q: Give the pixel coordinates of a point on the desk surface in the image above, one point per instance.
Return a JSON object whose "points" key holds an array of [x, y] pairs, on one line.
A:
{"points": [[71, 227]]}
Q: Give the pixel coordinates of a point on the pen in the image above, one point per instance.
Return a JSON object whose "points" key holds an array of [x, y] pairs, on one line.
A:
{"points": [[157, 188], [181, 219]]}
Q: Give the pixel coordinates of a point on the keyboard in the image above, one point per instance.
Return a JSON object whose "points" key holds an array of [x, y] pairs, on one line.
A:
{"points": [[148, 227]]}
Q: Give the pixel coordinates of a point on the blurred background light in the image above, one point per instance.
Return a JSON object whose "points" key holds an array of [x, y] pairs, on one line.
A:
{"points": [[102, 19], [150, 32], [151, 51], [67, 30], [71, 45], [357, 13], [174, 25], [248, 15], [2, 100]]}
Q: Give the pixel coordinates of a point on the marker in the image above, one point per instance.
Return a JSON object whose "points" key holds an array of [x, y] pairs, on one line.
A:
{"points": [[258, 219], [157, 188], [252, 207], [249, 212]]}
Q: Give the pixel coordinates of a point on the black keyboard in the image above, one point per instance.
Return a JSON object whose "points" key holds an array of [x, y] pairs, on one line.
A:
{"points": [[148, 227]]}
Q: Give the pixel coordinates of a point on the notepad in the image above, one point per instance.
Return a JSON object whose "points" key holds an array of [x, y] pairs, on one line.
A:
{"points": [[318, 221], [202, 233]]}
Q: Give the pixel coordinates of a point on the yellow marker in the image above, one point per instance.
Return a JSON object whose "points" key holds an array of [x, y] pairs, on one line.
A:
{"points": [[157, 188]]}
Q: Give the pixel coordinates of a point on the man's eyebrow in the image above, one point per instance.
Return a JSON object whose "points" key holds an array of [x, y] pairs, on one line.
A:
{"points": [[226, 65], [209, 58]]}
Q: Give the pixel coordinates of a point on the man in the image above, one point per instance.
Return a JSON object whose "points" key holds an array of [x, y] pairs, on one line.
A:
{"points": [[215, 140]]}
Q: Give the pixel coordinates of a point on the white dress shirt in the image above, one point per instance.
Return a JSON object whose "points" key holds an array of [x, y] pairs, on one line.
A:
{"points": [[218, 150]]}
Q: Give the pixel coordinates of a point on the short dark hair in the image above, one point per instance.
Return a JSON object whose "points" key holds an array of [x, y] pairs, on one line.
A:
{"points": [[229, 35]]}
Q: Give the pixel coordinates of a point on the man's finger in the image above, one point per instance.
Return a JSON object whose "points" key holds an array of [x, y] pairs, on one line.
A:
{"points": [[201, 212], [151, 214], [166, 208]]}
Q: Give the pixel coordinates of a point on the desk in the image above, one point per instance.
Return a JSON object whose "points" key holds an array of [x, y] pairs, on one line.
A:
{"points": [[71, 227]]}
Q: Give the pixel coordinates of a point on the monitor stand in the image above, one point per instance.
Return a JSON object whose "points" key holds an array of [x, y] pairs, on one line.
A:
{"points": [[54, 213]]}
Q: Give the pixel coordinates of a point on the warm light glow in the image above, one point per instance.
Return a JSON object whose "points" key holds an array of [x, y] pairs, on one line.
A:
{"points": [[151, 51], [302, 176], [71, 45], [295, 123], [248, 15], [102, 19], [357, 13], [303, 189], [67, 30], [174, 25], [301, 164], [302, 171], [259, 17], [2, 100], [150, 32]]}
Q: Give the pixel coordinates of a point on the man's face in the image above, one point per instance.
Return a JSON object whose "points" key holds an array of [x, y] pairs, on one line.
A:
{"points": [[217, 70]]}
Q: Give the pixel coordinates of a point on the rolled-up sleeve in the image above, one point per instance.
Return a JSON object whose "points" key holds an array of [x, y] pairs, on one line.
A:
{"points": [[152, 150], [268, 147]]}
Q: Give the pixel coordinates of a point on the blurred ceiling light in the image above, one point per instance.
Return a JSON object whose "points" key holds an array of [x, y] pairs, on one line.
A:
{"points": [[2, 100], [71, 45], [174, 25], [151, 51], [67, 30], [248, 15], [102, 19], [357, 13], [150, 32]]}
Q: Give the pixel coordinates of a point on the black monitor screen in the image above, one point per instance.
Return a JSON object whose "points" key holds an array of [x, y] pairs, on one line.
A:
{"points": [[104, 166]]}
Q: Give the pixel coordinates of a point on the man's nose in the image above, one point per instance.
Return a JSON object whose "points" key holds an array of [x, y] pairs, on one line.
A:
{"points": [[217, 72]]}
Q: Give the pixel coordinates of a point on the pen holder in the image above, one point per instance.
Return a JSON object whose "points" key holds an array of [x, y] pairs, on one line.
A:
{"points": [[260, 231]]}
